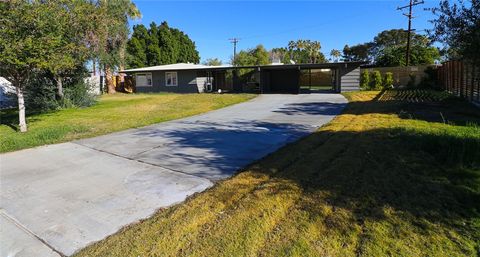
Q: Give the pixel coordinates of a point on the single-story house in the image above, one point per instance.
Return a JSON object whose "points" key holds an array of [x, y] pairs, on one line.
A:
{"points": [[274, 78]]}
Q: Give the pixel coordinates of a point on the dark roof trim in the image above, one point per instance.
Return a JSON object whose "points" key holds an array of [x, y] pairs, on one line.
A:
{"points": [[330, 65]]}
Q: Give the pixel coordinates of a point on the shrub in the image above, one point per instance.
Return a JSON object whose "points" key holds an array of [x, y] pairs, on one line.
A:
{"points": [[388, 80], [365, 80], [40, 93], [411, 82], [78, 95], [376, 83], [431, 78]]}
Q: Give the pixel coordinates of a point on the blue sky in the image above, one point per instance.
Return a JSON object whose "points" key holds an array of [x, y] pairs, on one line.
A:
{"points": [[273, 23]]}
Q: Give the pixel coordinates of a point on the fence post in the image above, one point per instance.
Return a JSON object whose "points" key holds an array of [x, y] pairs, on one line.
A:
{"points": [[452, 86], [460, 78], [474, 76], [457, 78], [471, 84], [447, 77]]}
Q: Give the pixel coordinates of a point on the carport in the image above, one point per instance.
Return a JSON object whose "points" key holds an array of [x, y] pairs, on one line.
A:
{"points": [[285, 78]]}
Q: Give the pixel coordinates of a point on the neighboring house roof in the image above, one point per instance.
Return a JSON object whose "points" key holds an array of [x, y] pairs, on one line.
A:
{"points": [[177, 66], [6, 86], [7, 92]]}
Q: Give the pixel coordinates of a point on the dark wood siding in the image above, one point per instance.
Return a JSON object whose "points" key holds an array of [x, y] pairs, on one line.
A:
{"points": [[350, 79], [187, 82]]}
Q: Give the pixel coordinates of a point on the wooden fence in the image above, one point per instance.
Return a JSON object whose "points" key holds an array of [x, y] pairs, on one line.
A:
{"points": [[460, 78]]}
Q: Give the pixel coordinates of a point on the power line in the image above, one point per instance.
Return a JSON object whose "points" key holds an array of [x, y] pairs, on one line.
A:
{"points": [[410, 17], [234, 41]]}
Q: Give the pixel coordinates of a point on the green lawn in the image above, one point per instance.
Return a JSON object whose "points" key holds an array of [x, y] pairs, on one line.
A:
{"points": [[396, 174], [111, 113]]}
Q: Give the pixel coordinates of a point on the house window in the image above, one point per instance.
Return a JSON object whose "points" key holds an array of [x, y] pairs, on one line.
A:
{"points": [[171, 79], [144, 80]]}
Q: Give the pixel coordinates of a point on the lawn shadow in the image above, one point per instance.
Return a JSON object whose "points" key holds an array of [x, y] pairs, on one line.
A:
{"points": [[425, 175], [407, 172], [9, 117], [312, 108], [216, 150], [429, 105]]}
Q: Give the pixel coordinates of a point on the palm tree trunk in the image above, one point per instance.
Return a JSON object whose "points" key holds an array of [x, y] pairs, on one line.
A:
{"points": [[21, 109], [108, 80], [122, 63]]}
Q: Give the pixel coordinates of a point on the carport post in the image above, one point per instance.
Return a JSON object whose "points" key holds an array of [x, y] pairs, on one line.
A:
{"points": [[309, 79], [337, 80]]}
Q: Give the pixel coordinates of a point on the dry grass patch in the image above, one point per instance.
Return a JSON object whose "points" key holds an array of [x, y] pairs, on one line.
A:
{"points": [[388, 177]]}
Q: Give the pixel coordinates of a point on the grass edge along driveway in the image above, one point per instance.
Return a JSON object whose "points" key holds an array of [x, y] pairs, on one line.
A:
{"points": [[395, 174], [111, 113]]}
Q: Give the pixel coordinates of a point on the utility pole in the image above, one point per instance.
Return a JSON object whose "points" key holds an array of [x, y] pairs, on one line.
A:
{"points": [[234, 41], [410, 17]]}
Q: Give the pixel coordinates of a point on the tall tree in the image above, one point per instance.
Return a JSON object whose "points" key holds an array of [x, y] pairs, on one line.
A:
{"points": [[305, 51], [395, 56], [163, 45], [137, 47], [254, 56], [389, 47], [457, 26], [113, 34], [360, 52], [153, 52], [25, 45], [68, 26], [335, 54]]}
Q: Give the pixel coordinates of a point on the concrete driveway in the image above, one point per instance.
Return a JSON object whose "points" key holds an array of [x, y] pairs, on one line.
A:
{"points": [[57, 199]]}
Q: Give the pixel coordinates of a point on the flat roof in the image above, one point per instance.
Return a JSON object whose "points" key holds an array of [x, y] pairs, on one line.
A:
{"points": [[176, 66], [191, 66]]}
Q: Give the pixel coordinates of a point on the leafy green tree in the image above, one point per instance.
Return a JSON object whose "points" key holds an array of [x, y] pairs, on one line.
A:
{"points": [[388, 80], [137, 47], [376, 82], [152, 50], [261, 55], [389, 48], [187, 51], [68, 27], [158, 45], [22, 47], [457, 26], [395, 56], [360, 52], [365, 80], [244, 58], [30, 41], [212, 62], [255, 56]]}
